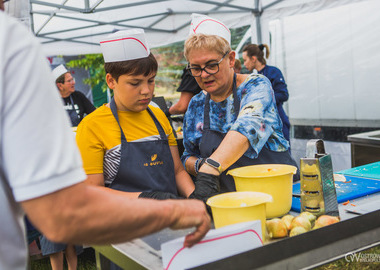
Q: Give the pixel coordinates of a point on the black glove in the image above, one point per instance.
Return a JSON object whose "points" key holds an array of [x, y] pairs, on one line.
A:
{"points": [[158, 195], [206, 186]]}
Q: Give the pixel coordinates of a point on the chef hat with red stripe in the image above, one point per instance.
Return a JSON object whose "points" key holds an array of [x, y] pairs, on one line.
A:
{"points": [[125, 45], [202, 24]]}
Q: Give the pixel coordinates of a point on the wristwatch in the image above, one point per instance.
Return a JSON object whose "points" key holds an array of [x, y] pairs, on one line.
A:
{"points": [[214, 164]]}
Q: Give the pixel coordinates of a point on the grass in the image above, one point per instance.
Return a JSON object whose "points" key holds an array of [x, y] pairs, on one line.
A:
{"points": [[355, 264], [86, 261]]}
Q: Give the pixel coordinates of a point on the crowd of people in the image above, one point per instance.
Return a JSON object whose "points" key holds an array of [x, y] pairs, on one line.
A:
{"points": [[122, 177]]}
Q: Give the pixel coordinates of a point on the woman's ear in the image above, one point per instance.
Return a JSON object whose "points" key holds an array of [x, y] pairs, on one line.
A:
{"points": [[110, 81]]}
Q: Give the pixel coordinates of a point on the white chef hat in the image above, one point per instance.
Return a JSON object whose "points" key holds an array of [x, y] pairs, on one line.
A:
{"points": [[59, 70], [209, 26], [125, 45]]}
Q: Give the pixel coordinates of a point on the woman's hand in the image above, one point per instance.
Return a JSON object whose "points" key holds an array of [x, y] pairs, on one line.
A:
{"points": [[206, 186]]}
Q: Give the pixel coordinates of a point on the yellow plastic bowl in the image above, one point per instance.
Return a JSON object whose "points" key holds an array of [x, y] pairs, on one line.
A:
{"points": [[235, 207], [273, 179]]}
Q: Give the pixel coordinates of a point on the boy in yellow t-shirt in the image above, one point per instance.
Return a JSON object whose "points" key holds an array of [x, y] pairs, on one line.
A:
{"points": [[98, 137], [126, 144]]}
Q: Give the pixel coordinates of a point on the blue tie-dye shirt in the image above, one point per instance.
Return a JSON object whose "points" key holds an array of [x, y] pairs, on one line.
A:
{"points": [[258, 119]]}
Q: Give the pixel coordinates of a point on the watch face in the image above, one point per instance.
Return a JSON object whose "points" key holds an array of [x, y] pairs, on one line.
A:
{"points": [[213, 163]]}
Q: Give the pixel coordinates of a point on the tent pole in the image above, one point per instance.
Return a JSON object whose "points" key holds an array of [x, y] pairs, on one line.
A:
{"points": [[256, 35], [258, 21]]}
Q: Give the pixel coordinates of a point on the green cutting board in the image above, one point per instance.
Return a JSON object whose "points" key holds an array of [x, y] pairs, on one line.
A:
{"points": [[371, 170]]}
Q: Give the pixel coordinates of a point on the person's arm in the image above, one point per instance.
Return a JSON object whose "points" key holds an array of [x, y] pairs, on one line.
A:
{"points": [[181, 106], [94, 215], [233, 146], [279, 87], [207, 180], [190, 165], [252, 128], [98, 180], [191, 133], [88, 106], [185, 185], [95, 179], [188, 88]]}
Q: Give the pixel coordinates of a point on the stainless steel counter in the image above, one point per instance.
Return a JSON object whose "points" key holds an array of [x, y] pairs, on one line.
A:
{"points": [[306, 251], [354, 233], [142, 253], [365, 147]]}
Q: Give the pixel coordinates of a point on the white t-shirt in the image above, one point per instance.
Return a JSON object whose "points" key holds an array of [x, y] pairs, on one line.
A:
{"points": [[38, 153]]}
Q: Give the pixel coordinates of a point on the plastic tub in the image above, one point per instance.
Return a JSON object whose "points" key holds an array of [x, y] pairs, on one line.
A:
{"points": [[273, 179], [235, 207]]}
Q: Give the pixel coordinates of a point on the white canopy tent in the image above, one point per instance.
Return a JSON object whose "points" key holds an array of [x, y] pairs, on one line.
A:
{"points": [[72, 27]]}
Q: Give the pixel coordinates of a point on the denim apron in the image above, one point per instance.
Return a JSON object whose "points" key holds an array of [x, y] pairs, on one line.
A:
{"points": [[211, 140], [144, 166]]}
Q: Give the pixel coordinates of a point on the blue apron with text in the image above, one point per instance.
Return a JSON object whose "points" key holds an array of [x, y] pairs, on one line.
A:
{"points": [[211, 140], [146, 165]]}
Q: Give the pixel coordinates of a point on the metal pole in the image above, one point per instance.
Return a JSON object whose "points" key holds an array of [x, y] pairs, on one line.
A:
{"points": [[258, 21]]}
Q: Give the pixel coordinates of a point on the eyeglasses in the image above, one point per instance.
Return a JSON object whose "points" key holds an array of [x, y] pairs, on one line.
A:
{"points": [[70, 81], [210, 69]]}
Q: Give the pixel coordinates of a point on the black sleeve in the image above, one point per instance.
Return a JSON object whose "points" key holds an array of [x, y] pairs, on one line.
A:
{"points": [[188, 83], [88, 107]]}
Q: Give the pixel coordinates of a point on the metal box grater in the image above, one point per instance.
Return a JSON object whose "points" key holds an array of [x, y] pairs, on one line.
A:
{"points": [[318, 193]]}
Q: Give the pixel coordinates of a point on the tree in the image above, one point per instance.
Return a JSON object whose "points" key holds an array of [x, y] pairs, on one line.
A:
{"points": [[94, 63]]}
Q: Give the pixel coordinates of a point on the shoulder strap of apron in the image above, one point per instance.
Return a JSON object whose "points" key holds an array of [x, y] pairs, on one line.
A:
{"points": [[159, 127], [114, 112], [206, 120], [72, 104]]}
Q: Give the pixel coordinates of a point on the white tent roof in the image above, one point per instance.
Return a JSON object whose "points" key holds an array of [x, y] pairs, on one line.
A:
{"points": [[72, 27], [327, 49]]}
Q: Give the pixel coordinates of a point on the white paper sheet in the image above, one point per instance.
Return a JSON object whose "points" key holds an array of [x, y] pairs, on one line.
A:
{"points": [[217, 244]]}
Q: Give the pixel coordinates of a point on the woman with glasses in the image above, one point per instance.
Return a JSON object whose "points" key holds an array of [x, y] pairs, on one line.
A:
{"points": [[233, 122], [74, 102]]}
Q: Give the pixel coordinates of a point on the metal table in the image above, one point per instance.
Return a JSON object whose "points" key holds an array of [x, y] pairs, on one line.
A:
{"points": [[365, 147], [353, 234], [142, 253], [306, 251]]}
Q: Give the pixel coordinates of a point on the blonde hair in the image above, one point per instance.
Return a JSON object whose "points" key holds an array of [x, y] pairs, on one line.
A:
{"points": [[209, 42]]}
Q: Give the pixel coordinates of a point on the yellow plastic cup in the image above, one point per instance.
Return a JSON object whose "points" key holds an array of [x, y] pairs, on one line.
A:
{"points": [[236, 207], [273, 179]]}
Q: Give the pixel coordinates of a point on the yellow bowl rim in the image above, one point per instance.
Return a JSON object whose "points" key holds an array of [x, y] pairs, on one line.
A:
{"points": [[263, 176], [269, 198]]}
